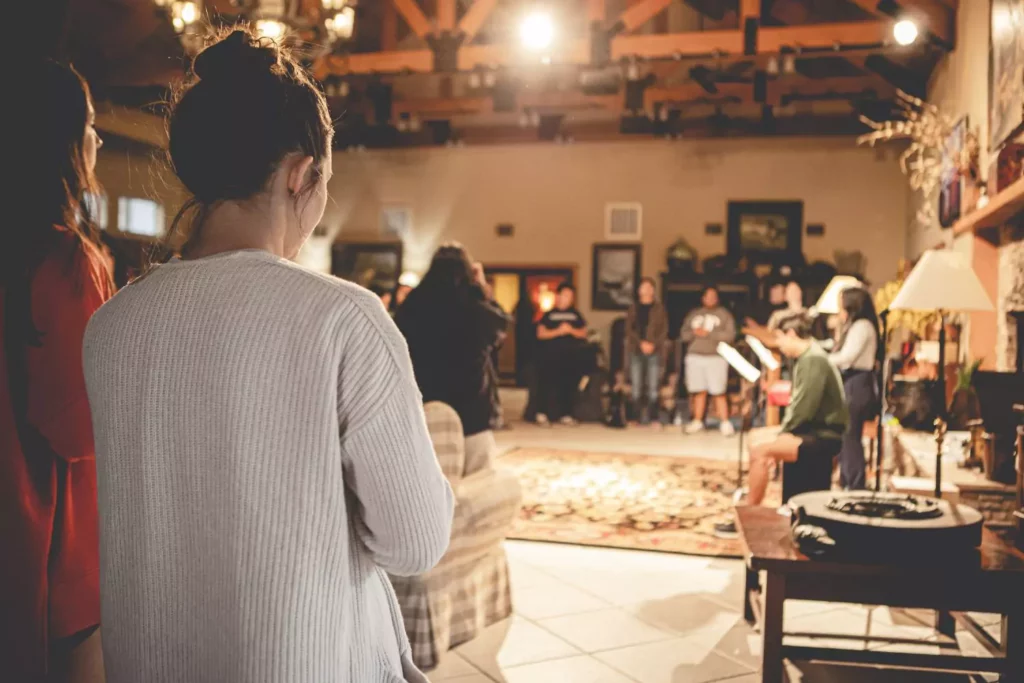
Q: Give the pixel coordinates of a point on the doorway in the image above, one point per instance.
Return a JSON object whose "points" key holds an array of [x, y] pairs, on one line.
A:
{"points": [[526, 293]]}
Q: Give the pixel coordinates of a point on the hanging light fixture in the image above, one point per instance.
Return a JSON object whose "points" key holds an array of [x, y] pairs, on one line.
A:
{"points": [[341, 24]]}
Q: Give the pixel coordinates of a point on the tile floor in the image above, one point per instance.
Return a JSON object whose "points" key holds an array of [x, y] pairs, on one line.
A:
{"points": [[594, 615]]}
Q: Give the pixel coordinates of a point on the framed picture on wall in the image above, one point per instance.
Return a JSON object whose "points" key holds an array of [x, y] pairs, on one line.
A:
{"points": [[374, 265], [1006, 96], [615, 273], [765, 231], [950, 177]]}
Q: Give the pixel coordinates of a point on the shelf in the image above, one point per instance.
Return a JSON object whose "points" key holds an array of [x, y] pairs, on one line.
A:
{"points": [[1000, 209]]}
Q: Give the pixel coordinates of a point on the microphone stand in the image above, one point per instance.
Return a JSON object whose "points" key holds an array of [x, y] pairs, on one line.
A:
{"points": [[882, 356]]}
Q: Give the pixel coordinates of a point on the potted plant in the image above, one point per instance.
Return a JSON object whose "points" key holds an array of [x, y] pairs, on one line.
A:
{"points": [[964, 406]]}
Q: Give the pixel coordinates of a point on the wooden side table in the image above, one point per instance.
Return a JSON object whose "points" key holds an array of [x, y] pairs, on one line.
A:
{"points": [[992, 581]]}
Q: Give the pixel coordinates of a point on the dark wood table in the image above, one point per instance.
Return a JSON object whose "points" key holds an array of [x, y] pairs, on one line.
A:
{"points": [[992, 580]]}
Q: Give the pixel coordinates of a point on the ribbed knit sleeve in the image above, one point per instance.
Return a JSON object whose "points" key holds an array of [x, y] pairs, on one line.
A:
{"points": [[405, 502]]}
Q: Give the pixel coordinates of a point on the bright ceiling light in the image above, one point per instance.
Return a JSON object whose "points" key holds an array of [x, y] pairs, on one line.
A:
{"points": [[905, 31], [271, 29], [537, 31], [341, 25]]}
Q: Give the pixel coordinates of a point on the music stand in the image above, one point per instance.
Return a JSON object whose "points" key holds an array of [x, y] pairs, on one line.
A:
{"points": [[748, 372]]}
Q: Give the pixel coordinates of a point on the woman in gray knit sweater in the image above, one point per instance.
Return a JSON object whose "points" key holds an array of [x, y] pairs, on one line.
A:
{"points": [[262, 452]]}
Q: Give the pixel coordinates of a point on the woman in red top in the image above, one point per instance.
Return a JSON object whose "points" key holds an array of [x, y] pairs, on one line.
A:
{"points": [[53, 276]]}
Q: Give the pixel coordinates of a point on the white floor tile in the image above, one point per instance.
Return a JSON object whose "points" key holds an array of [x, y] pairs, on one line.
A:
{"points": [[571, 670], [680, 660], [514, 643], [553, 600], [604, 630], [452, 666], [691, 616]]}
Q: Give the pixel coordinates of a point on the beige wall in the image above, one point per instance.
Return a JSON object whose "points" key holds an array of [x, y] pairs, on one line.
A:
{"points": [[555, 195]]}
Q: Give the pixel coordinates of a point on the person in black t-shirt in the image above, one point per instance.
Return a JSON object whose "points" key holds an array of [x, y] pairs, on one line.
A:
{"points": [[561, 334]]}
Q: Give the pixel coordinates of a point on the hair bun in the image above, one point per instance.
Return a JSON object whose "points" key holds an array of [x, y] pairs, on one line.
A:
{"points": [[239, 56]]}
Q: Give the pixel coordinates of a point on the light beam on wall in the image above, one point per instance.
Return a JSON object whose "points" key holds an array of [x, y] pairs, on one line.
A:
{"points": [[537, 31]]}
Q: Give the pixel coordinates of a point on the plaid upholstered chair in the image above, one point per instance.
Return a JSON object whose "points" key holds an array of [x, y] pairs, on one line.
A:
{"points": [[469, 589]]}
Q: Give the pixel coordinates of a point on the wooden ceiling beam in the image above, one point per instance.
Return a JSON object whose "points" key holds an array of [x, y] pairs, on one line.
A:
{"points": [[446, 15], [687, 92], [938, 19], [862, 37], [595, 10], [749, 9], [413, 16], [639, 14], [474, 18]]}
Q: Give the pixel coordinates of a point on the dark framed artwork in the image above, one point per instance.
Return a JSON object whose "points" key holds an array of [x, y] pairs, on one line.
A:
{"points": [[374, 265], [1006, 99], [765, 230], [950, 177], [616, 274]]}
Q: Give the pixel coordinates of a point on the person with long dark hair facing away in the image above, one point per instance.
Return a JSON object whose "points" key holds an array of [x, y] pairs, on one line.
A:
{"points": [[262, 450], [854, 355], [646, 334], [53, 276], [452, 326]]}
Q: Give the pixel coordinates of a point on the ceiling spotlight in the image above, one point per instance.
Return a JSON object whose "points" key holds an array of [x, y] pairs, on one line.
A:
{"points": [[474, 79], [773, 66], [402, 125], [490, 79], [905, 31], [414, 124], [789, 64], [343, 89], [524, 119], [632, 71], [537, 31], [271, 29]]}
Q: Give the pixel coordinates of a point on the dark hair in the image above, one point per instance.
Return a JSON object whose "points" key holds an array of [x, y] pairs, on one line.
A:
{"points": [[708, 288], [450, 269], [564, 286], [857, 303], [48, 188], [801, 325], [246, 105]]}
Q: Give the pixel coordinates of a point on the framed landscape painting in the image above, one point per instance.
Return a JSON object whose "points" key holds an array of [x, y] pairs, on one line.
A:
{"points": [[1006, 104], [765, 231], [373, 265], [616, 272]]}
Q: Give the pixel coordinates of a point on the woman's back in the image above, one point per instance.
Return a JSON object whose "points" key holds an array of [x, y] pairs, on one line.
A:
{"points": [[262, 459]]}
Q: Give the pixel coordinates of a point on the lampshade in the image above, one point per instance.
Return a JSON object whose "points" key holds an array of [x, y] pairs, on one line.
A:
{"points": [[942, 280], [830, 301]]}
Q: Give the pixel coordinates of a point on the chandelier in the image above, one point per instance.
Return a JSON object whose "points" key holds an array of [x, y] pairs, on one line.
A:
{"points": [[328, 24]]}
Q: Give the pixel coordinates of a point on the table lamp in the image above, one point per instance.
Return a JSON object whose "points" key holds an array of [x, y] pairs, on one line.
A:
{"points": [[942, 281], [830, 300]]}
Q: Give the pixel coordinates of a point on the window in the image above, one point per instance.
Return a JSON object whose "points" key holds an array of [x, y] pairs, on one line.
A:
{"points": [[140, 216], [622, 221], [97, 206]]}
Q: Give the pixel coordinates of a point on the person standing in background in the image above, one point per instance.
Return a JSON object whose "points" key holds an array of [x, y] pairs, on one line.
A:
{"points": [[706, 371], [452, 328], [854, 355], [646, 334], [53, 277], [560, 331]]}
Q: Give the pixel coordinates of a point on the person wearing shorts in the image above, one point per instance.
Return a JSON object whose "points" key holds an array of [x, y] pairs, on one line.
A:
{"points": [[812, 434], [706, 371]]}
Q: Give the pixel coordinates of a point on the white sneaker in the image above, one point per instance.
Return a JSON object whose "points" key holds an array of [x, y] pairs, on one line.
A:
{"points": [[694, 427], [542, 420], [568, 421], [726, 428]]}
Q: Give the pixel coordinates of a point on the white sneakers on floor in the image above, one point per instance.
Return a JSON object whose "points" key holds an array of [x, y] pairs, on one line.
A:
{"points": [[542, 420], [696, 426], [568, 421]]}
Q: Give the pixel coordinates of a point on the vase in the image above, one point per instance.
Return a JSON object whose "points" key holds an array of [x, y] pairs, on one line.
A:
{"points": [[963, 408]]}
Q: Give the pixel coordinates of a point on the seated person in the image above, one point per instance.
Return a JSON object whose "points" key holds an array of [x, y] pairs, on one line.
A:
{"points": [[811, 434], [561, 332]]}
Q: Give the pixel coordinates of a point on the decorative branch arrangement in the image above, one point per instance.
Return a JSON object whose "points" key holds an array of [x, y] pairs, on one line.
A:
{"points": [[929, 131]]}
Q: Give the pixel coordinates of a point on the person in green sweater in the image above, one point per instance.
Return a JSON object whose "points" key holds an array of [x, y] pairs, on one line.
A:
{"points": [[811, 434]]}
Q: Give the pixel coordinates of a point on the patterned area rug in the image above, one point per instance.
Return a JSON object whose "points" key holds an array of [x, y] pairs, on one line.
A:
{"points": [[638, 502]]}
